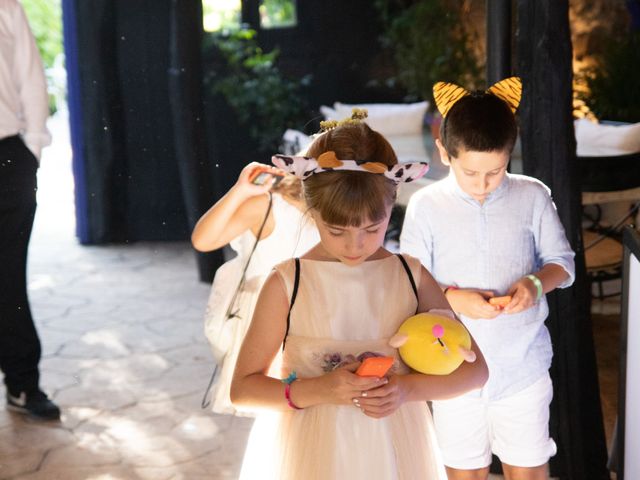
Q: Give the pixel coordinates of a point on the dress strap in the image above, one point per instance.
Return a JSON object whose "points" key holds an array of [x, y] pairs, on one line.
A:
{"points": [[411, 279], [294, 294]]}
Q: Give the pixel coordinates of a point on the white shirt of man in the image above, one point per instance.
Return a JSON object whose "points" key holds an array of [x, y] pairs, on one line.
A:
{"points": [[24, 105]]}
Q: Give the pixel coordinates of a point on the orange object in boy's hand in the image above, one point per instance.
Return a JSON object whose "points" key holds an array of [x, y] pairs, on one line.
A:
{"points": [[375, 366], [500, 301]]}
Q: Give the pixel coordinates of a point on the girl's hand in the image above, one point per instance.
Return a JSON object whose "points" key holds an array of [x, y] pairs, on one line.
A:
{"points": [[384, 400], [250, 189], [523, 294], [473, 303], [342, 385]]}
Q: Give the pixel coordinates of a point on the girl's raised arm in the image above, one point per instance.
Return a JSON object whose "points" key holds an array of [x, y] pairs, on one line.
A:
{"points": [[240, 209]]}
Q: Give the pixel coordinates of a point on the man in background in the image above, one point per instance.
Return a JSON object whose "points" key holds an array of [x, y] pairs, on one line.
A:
{"points": [[23, 133]]}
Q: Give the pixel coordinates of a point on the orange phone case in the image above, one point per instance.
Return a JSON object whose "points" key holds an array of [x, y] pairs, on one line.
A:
{"points": [[375, 366], [258, 179], [500, 301]]}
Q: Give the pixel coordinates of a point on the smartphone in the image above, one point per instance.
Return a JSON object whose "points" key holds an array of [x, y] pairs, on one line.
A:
{"points": [[375, 366], [500, 301], [260, 176]]}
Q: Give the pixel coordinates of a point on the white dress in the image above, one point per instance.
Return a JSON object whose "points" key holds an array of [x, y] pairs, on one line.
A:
{"points": [[341, 312], [294, 233]]}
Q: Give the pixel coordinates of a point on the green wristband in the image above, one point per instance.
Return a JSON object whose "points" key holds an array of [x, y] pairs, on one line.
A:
{"points": [[536, 281]]}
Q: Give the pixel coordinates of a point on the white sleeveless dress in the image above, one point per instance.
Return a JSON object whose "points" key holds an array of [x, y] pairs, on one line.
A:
{"points": [[340, 313], [294, 234]]}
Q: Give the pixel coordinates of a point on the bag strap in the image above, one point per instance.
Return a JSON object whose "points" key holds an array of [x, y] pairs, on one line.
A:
{"points": [[230, 313], [411, 279], [294, 294]]}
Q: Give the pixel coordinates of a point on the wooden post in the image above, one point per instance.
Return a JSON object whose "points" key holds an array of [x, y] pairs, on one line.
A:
{"points": [[548, 151], [185, 79], [498, 40]]}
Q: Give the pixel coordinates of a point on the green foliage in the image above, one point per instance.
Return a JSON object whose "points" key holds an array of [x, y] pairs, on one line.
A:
{"points": [[265, 102], [46, 25], [277, 13], [614, 84], [429, 44]]}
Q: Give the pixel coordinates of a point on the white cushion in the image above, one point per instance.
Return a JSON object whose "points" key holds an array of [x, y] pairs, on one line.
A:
{"points": [[386, 118], [600, 140], [295, 142]]}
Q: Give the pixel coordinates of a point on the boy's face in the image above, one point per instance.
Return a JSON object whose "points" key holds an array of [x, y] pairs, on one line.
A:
{"points": [[477, 173]]}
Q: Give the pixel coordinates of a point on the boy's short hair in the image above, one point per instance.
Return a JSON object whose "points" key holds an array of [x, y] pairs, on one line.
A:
{"points": [[350, 198], [479, 122]]}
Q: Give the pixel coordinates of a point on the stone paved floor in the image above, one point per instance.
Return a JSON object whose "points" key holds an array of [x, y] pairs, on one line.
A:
{"points": [[123, 355]]}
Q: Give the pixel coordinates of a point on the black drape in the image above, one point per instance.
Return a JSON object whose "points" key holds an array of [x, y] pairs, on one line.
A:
{"points": [[126, 173], [548, 151], [185, 88], [98, 127]]}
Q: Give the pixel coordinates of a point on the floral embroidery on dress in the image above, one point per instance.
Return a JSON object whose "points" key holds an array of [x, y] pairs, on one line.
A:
{"points": [[331, 361]]}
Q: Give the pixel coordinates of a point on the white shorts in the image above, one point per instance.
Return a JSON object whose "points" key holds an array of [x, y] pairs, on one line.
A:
{"points": [[515, 428]]}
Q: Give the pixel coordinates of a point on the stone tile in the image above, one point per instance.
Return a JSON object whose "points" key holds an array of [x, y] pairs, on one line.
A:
{"points": [[18, 463]]}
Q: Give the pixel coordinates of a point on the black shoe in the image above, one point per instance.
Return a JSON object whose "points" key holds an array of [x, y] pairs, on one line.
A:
{"points": [[37, 405]]}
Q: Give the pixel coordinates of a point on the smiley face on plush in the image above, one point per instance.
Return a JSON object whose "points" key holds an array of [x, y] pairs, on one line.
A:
{"points": [[433, 343]]}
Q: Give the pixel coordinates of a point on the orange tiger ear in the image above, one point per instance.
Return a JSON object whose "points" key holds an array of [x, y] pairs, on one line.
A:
{"points": [[509, 90], [446, 95]]}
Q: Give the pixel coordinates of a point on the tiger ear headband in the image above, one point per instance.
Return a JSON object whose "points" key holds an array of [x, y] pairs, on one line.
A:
{"points": [[304, 167], [508, 90]]}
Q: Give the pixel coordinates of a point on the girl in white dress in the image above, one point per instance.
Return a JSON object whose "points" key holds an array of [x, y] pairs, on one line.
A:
{"points": [[236, 219], [337, 304]]}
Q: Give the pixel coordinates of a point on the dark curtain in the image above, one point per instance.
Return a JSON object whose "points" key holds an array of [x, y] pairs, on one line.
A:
{"points": [[185, 89], [94, 111], [124, 156], [548, 151]]}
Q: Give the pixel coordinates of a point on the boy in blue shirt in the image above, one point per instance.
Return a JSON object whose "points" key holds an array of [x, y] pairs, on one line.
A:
{"points": [[483, 233]]}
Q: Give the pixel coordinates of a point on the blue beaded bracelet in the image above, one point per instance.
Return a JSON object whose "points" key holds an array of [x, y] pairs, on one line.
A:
{"points": [[287, 389]]}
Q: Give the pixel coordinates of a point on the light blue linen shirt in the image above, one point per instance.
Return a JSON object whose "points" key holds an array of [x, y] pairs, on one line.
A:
{"points": [[489, 246]]}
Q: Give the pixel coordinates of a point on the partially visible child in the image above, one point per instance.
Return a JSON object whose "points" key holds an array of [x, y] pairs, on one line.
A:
{"points": [[236, 220], [483, 232], [326, 311]]}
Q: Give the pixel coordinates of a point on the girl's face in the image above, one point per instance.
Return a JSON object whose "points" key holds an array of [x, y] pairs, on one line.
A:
{"points": [[477, 173], [352, 245]]}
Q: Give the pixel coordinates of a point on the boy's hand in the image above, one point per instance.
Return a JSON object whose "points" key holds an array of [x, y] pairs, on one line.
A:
{"points": [[384, 400], [473, 303], [523, 296]]}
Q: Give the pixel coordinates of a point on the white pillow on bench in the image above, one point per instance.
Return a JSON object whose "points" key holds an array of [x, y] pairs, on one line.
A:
{"points": [[386, 118], [601, 140]]}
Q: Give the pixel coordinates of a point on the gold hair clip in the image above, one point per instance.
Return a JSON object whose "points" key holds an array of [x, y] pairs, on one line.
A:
{"points": [[358, 115]]}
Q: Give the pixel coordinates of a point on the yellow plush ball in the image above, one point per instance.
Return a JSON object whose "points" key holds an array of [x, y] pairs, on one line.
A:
{"points": [[433, 344]]}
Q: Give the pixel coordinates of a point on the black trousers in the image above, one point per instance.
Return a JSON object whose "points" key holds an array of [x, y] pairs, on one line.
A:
{"points": [[19, 343]]}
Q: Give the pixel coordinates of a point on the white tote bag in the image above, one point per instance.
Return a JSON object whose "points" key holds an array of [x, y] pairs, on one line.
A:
{"points": [[221, 307]]}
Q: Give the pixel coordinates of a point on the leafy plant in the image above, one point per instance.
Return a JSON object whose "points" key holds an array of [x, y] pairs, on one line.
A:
{"points": [[46, 24], [429, 43], [265, 101], [613, 86]]}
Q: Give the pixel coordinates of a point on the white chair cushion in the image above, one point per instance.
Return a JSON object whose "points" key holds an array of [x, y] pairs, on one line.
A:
{"points": [[600, 140]]}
